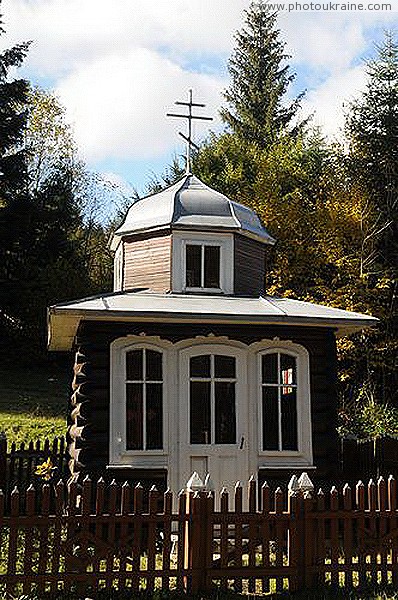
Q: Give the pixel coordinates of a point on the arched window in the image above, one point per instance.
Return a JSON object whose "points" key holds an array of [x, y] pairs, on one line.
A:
{"points": [[138, 417], [144, 399], [212, 398], [283, 375], [279, 401]]}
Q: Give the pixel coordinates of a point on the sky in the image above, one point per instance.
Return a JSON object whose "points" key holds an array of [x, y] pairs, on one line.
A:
{"points": [[118, 66]]}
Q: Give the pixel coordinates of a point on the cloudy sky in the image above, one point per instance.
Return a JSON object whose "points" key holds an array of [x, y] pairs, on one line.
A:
{"points": [[119, 65]]}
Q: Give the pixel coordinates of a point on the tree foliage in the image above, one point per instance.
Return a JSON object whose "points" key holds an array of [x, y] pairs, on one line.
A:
{"points": [[51, 246], [257, 109]]}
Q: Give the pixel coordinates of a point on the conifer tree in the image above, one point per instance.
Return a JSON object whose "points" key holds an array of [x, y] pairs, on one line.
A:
{"points": [[372, 129], [257, 109], [13, 98]]}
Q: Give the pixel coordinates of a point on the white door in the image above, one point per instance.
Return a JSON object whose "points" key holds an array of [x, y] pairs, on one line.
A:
{"points": [[213, 415]]}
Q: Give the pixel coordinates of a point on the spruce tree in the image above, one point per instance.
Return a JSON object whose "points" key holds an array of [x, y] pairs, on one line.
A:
{"points": [[372, 130], [13, 172], [257, 108], [13, 115]]}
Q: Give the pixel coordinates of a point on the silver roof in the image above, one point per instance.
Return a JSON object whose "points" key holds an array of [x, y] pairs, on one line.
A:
{"points": [[145, 306], [190, 204]]}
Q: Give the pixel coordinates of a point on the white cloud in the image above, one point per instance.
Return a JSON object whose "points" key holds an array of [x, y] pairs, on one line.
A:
{"points": [[119, 65], [329, 101], [118, 103], [324, 41], [67, 32]]}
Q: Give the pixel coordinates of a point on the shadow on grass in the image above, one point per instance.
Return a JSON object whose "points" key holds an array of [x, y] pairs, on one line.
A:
{"points": [[327, 593]]}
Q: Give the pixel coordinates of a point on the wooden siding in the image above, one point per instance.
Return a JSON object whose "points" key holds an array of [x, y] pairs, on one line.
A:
{"points": [[249, 267], [147, 262], [89, 432]]}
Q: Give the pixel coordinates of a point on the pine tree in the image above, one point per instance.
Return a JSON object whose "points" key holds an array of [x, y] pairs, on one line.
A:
{"points": [[260, 78]]}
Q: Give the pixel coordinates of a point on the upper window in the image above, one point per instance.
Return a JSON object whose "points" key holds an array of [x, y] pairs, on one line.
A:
{"points": [[202, 266], [279, 401], [202, 262], [144, 400]]}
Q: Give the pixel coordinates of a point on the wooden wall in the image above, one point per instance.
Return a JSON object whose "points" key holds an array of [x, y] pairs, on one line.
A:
{"points": [[147, 262], [249, 267], [89, 431]]}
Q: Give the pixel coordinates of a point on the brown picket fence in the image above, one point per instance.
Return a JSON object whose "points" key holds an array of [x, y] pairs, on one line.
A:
{"points": [[109, 536], [18, 463]]}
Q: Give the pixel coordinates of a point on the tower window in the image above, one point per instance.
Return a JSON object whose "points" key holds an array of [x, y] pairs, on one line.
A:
{"points": [[202, 266]]}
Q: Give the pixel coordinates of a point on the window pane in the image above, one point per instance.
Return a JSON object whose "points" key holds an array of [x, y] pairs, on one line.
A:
{"points": [[270, 419], [154, 416], [289, 420], [134, 412], [200, 366], [134, 362], [270, 368], [212, 266], [224, 366], [288, 369], [225, 418], [200, 423], [153, 365], [193, 265]]}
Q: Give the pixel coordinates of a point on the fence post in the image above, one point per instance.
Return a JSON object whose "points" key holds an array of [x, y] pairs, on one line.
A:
{"points": [[302, 542], [196, 542], [3, 460]]}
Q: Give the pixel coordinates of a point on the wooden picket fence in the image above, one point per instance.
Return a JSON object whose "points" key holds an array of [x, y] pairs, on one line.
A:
{"points": [[18, 463], [102, 536]]}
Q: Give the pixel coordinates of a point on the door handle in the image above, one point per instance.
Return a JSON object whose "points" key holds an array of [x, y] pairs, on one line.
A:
{"points": [[242, 441]]}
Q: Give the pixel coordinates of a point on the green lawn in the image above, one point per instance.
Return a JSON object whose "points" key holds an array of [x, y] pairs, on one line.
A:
{"points": [[33, 401]]}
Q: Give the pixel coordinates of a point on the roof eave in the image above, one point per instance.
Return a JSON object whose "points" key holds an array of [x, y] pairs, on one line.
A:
{"points": [[68, 321]]}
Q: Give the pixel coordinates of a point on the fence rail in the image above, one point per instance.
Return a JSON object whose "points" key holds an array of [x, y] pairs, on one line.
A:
{"points": [[103, 536]]}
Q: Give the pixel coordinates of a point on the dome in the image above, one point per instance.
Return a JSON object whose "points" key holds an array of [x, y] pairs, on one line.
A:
{"points": [[190, 204]]}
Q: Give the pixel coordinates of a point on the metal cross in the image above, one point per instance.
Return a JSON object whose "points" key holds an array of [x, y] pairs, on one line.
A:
{"points": [[190, 117]]}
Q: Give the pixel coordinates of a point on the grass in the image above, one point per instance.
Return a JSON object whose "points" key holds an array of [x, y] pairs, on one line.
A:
{"points": [[318, 594], [33, 401]]}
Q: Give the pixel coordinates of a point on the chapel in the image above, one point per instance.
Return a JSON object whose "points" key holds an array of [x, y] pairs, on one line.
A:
{"points": [[189, 365]]}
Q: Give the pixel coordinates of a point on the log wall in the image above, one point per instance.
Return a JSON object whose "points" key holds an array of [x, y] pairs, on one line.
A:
{"points": [[89, 431]]}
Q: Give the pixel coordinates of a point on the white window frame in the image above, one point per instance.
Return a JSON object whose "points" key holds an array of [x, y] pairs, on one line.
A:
{"points": [[240, 356], [118, 268], [225, 242], [119, 455], [303, 455]]}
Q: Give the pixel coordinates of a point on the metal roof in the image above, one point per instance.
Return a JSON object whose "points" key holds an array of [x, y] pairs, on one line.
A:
{"points": [[145, 306], [190, 204]]}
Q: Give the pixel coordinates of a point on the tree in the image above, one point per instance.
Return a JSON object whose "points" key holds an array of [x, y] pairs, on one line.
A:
{"points": [[13, 103], [48, 140], [257, 108], [372, 130], [13, 166]]}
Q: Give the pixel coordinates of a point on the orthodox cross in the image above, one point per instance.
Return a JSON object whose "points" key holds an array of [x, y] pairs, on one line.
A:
{"points": [[188, 138]]}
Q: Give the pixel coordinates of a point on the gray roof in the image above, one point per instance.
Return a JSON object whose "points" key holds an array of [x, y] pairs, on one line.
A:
{"points": [[143, 305], [190, 204]]}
